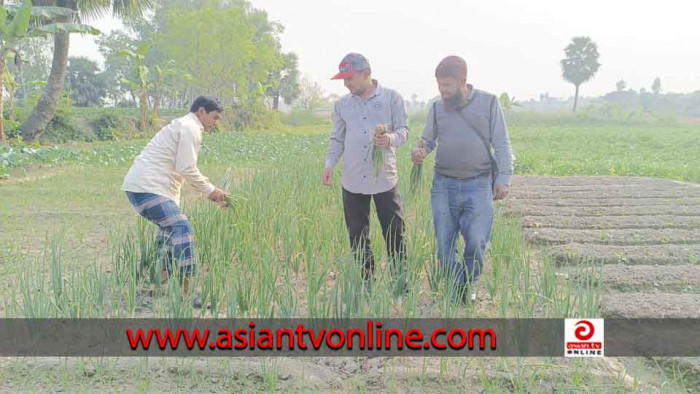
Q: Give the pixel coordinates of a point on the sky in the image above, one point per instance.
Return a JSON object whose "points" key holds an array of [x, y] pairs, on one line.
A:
{"points": [[510, 46]]}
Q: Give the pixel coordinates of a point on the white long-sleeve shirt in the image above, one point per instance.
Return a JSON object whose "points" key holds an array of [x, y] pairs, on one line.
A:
{"points": [[168, 160]]}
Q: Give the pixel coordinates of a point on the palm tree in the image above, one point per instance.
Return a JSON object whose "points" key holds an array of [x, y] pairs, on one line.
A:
{"points": [[85, 82], [86, 9], [581, 62], [656, 86]]}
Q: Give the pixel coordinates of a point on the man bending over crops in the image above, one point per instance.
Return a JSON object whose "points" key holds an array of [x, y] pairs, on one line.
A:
{"points": [[370, 123], [154, 181], [464, 125]]}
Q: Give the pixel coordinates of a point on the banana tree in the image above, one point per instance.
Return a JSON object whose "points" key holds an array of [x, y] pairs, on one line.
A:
{"points": [[142, 85], [159, 82], [13, 86], [507, 102], [18, 22], [14, 24]]}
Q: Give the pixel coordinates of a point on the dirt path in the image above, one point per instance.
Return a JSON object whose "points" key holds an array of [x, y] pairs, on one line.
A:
{"points": [[645, 232]]}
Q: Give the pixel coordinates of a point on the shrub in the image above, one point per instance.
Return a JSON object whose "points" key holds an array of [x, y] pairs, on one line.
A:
{"points": [[253, 117], [63, 128], [12, 130], [106, 125]]}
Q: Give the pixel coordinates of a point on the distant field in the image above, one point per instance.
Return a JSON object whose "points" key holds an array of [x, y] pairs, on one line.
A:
{"points": [[545, 149]]}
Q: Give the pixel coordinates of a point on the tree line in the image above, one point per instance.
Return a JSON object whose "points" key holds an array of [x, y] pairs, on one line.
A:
{"points": [[169, 53]]}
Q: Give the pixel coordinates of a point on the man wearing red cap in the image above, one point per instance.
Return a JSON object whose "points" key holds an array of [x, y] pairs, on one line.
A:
{"points": [[353, 137], [465, 125]]}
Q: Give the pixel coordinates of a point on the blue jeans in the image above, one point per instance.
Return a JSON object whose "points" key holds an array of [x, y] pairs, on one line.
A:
{"points": [[462, 206]]}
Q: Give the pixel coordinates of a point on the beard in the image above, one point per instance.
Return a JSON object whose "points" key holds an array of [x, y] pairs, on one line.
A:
{"points": [[457, 99]]}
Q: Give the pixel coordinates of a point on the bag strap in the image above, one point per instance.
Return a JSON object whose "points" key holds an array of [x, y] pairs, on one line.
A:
{"points": [[494, 164], [435, 124]]}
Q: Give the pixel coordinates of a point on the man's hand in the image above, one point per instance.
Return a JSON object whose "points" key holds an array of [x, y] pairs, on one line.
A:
{"points": [[381, 140], [500, 191], [327, 176], [218, 196], [418, 154]]}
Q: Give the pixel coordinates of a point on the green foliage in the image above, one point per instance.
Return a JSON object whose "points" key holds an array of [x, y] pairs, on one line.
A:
{"points": [[63, 128], [303, 117], [507, 103], [63, 28], [138, 57], [27, 21], [247, 71], [416, 180], [620, 113], [188, 38], [310, 95], [284, 81], [12, 130], [240, 70], [23, 111], [116, 67], [561, 144], [142, 83], [126, 104], [85, 82], [107, 120], [20, 22], [378, 154], [107, 134], [620, 85], [656, 86], [581, 61], [107, 126], [419, 117], [251, 117], [36, 63]]}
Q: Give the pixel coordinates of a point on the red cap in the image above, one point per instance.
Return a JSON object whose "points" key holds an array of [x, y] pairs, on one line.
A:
{"points": [[351, 64], [346, 71]]}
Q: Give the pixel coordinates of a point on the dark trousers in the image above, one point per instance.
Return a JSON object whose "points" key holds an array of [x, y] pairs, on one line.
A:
{"points": [[390, 213]]}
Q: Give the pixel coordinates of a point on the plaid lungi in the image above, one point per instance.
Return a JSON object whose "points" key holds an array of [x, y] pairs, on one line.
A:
{"points": [[175, 237]]}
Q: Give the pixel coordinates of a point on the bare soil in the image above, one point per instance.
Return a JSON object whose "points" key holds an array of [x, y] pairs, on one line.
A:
{"points": [[534, 210], [651, 304], [653, 279], [645, 232], [637, 236], [585, 180], [626, 254], [615, 222], [554, 200]]}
